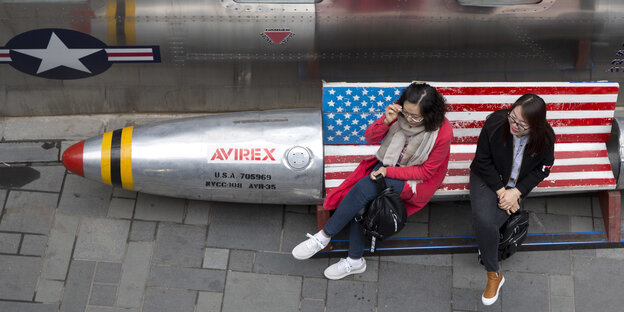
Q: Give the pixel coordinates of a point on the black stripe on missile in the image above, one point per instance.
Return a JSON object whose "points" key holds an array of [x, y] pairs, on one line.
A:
{"points": [[116, 158]]}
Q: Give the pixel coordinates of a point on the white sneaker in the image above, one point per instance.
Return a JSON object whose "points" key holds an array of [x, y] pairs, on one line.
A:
{"points": [[308, 248], [342, 268]]}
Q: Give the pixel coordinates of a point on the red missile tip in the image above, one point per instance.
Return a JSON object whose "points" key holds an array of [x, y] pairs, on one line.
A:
{"points": [[72, 158]]}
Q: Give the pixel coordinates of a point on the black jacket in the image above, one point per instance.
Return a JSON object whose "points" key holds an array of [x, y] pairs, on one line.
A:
{"points": [[493, 160]]}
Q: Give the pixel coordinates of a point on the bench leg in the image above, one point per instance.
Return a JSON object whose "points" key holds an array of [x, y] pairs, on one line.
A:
{"points": [[610, 206], [322, 216]]}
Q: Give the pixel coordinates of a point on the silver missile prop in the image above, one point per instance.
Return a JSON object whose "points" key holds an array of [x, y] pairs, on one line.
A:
{"points": [[249, 157]]}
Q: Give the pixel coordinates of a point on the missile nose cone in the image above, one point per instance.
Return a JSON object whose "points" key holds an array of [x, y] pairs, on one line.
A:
{"points": [[72, 158]]}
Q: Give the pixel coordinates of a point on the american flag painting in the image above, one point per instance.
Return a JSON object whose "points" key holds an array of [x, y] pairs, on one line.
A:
{"points": [[580, 113]]}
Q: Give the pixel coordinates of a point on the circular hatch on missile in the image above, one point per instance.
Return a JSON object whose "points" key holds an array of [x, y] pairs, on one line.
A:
{"points": [[298, 157]]}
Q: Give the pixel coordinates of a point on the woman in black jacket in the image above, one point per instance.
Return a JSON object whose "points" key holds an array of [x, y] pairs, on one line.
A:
{"points": [[515, 152]]}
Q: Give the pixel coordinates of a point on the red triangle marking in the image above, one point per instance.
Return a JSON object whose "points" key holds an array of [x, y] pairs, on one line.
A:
{"points": [[277, 36]]}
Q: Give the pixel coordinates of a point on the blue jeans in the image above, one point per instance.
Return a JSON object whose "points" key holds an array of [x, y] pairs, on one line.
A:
{"points": [[360, 194]]}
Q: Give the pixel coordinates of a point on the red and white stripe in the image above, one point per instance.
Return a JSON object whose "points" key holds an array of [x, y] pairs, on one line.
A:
{"points": [[5, 56], [130, 54], [580, 113]]}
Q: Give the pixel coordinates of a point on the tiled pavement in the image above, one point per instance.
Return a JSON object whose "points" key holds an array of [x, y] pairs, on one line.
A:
{"points": [[69, 244]]}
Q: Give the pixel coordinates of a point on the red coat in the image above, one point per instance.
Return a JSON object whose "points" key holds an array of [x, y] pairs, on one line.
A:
{"points": [[431, 172]]}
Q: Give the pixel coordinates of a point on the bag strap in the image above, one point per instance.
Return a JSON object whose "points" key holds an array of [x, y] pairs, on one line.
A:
{"points": [[381, 183]]}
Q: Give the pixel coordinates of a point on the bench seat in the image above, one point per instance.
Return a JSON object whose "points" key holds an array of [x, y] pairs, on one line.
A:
{"points": [[581, 115]]}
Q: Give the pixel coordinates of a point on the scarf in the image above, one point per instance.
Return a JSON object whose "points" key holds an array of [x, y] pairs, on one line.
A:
{"points": [[417, 151]]}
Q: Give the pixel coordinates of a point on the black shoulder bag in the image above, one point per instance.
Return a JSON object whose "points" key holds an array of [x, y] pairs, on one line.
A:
{"points": [[512, 234], [384, 216]]}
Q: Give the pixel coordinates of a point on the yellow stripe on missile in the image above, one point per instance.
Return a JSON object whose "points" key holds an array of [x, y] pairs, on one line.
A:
{"points": [[129, 24], [126, 158], [111, 21], [105, 165]]}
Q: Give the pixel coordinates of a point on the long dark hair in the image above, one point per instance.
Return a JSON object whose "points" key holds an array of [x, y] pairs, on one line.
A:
{"points": [[534, 112], [432, 104]]}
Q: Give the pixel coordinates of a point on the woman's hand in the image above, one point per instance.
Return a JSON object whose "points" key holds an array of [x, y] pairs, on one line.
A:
{"points": [[508, 201], [392, 112], [381, 170]]}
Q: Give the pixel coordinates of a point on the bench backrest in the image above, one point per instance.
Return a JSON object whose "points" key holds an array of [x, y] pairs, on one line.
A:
{"points": [[580, 114]]}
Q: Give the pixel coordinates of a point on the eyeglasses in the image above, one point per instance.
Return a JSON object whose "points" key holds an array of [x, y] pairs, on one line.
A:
{"points": [[413, 117], [520, 126]]}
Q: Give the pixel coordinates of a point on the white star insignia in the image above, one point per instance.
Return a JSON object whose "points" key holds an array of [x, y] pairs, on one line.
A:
{"points": [[330, 127], [364, 92], [397, 92], [372, 109], [372, 97], [339, 122], [331, 115], [346, 138], [363, 139], [356, 109], [388, 98], [380, 103], [355, 98], [339, 109], [348, 103], [381, 92], [355, 122], [347, 115], [348, 92], [57, 54], [378, 115], [330, 138], [354, 133], [364, 103], [338, 132], [347, 128], [331, 103], [363, 127], [332, 91], [339, 98]]}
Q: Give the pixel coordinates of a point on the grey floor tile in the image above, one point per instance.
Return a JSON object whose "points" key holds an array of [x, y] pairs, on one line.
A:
{"points": [[77, 286], [197, 212], [84, 197], [422, 288], [413, 229], [282, 263], [109, 309], [573, 205], [249, 292], [581, 224], [121, 208], [29, 212], [143, 231], [19, 275], [181, 245], [7, 306], [466, 299], [9, 242], [121, 193], [241, 260], [450, 219], [309, 305], [216, 258], [551, 262], [134, 274], [49, 291], [34, 245], [29, 152], [187, 278], [209, 302], [108, 272], [103, 295], [591, 278], [50, 179], [370, 275], [467, 272], [561, 304], [351, 296], [102, 239], [548, 223], [60, 246], [314, 288], [613, 253], [162, 300], [245, 226], [296, 225], [535, 204], [533, 286], [422, 215], [304, 209], [159, 208], [584, 252], [561, 285]]}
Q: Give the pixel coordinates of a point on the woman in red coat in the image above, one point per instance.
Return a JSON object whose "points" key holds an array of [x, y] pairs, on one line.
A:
{"points": [[413, 158]]}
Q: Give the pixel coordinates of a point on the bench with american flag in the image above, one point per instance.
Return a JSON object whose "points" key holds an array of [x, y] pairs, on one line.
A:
{"points": [[581, 115]]}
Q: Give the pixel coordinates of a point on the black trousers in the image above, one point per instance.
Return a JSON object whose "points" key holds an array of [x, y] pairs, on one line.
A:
{"points": [[487, 219]]}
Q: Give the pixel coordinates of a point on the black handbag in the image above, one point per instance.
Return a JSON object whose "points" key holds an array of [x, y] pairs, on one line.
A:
{"points": [[384, 216], [512, 234]]}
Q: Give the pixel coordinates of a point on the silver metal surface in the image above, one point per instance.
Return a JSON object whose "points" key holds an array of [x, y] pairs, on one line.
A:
{"points": [[216, 56], [238, 157]]}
